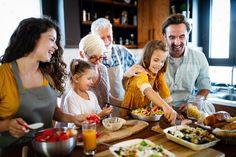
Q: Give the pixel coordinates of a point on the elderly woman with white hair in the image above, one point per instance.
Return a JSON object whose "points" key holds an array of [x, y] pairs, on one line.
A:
{"points": [[92, 49]]}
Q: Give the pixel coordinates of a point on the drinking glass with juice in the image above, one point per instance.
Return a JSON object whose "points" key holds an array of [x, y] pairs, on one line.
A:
{"points": [[89, 137]]}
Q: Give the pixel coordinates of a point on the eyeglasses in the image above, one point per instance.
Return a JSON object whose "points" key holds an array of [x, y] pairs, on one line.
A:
{"points": [[95, 58]]}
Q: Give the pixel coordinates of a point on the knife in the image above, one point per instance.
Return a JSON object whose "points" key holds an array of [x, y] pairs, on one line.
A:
{"points": [[109, 104]]}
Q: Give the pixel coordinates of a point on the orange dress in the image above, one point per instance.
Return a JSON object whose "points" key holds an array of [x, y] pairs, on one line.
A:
{"points": [[134, 98]]}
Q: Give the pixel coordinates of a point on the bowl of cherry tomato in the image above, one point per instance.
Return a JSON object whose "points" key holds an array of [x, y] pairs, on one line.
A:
{"points": [[55, 142]]}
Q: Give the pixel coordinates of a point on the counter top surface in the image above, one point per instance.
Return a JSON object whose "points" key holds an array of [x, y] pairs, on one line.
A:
{"points": [[219, 150], [214, 98]]}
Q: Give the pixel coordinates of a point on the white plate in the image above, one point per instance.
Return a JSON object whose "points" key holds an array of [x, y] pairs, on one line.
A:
{"points": [[115, 147], [186, 143]]}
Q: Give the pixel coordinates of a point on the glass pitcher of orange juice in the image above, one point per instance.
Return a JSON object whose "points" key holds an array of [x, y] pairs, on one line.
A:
{"points": [[89, 137]]}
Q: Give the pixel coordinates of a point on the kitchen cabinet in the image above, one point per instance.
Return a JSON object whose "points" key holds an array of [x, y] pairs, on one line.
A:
{"points": [[151, 14], [144, 20], [123, 16], [79, 14]]}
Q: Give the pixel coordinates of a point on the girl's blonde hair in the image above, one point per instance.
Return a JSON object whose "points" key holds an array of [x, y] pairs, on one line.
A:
{"points": [[149, 49], [79, 66], [91, 43]]}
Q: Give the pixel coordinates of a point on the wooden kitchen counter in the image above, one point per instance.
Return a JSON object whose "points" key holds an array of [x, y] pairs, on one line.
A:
{"points": [[219, 150], [180, 151]]}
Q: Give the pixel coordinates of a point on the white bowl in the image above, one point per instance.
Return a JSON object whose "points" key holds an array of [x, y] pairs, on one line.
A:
{"points": [[113, 123]]}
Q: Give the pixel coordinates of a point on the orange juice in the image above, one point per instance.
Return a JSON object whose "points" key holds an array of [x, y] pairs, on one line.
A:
{"points": [[89, 138]]}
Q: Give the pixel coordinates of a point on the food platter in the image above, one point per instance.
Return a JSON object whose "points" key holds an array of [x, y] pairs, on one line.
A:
{"points": [[146, 118], [141, 147], [176, 138], [147, 114]]}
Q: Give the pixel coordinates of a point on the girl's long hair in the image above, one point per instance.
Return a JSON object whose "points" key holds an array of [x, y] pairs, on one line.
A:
{"points": [[149, 49]]}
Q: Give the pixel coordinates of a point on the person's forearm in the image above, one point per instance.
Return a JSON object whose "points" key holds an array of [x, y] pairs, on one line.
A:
{"points": [[114, 100], [203, 92], [155, 98], [62, 117], [4, 125]]}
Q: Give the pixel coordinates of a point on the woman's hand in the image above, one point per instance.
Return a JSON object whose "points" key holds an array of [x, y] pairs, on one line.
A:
{"points": [[16, 128]]}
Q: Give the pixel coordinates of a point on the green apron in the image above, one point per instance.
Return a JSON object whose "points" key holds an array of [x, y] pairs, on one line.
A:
{"points": [[36, 105]]}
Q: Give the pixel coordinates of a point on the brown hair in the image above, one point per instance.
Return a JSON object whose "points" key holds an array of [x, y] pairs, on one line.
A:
{"points": [[175, 19], [149, 49], [79, 66]]}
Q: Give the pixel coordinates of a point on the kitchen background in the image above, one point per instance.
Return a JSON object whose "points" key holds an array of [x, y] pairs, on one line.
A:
{"points": [[134, 23]]}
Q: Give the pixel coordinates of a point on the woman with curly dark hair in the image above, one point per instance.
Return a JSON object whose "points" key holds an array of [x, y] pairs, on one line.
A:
{"points": [[32, 76]]}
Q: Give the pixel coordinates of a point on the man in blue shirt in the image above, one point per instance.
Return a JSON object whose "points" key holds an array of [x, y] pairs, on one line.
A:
{"points": [[187, 68]]}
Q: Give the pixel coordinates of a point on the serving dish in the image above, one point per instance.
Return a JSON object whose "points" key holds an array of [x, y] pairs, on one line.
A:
{"points": [[54, 141], [176, 137], [142, 147], [146, 118], [147, 114]]}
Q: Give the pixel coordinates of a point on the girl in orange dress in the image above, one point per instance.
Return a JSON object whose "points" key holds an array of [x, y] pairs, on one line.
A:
{"points": [[149, 87]]}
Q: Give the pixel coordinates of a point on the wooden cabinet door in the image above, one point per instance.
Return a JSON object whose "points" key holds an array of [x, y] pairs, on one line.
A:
{"points": [[151, 14]]}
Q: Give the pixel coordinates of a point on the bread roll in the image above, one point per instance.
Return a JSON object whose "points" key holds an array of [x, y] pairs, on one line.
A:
{"points": [[220, 116], [220, 124], [230, 126]]}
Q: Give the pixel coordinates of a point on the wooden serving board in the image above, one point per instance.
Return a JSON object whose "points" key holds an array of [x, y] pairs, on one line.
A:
{"points": [[178, 150], [131, 127]]}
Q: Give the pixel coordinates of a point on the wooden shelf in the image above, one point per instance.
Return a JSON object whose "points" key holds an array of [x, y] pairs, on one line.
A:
{"points": [[131, 46], [124, 26], [116, 3], [88, 23]]}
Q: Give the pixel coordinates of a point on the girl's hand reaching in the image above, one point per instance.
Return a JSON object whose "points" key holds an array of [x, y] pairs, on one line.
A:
{"points": [[170, 114], [16, 127]]}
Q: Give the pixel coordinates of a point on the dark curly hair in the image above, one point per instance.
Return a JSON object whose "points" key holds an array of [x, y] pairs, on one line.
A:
{"points": [[24, 40], [174, 20]]}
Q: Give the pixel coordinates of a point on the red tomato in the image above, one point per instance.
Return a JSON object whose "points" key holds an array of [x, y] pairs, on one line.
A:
{"points": [[97, 134], [94, 118]]}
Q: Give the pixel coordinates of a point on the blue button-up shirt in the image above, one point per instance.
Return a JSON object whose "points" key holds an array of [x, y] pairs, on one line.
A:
{"points": [[192, 73], [126, 57]]}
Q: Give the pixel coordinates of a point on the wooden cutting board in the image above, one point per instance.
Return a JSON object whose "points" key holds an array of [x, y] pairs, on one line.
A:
{"points": [[131, 127], [178, 150]]}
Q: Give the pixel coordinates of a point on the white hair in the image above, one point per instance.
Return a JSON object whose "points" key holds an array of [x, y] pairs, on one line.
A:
{"points": [[100, 23], [92, 43]]}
